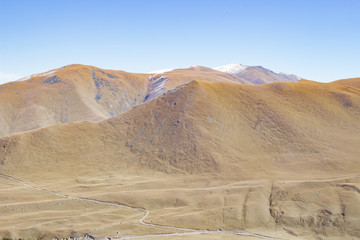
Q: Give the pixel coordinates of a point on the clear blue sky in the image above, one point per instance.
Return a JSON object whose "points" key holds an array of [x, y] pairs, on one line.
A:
{"points": [[315, 39]]}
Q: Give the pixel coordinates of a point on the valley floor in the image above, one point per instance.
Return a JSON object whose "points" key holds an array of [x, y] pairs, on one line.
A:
{"points": [[177, 207]]}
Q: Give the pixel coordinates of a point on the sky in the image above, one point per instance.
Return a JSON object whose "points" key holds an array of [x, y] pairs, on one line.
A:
{"points": [[314, 39]]}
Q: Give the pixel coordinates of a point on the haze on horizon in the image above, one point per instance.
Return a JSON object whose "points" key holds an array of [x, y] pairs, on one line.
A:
{"points": [[314, 40]]}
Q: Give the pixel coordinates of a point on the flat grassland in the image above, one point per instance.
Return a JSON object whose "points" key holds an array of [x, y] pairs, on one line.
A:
{"points": [[176, 207]]}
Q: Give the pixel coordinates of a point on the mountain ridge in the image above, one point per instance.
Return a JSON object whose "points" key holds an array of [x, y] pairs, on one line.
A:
{"points": [[81, 92]]}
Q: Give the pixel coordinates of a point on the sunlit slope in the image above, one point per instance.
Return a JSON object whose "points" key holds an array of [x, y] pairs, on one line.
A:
{"points": [[282, 131], [71, 93]]}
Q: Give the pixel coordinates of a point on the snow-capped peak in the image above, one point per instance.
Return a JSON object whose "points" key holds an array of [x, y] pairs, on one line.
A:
{"points": [[232, 68]]}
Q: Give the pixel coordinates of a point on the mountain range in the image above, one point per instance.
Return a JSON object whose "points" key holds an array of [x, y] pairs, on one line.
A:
{"points": [[179, 153], [86, 93]]}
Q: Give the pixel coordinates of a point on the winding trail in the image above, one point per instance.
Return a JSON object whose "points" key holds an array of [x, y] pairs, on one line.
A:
{"points": [[186, 231]]}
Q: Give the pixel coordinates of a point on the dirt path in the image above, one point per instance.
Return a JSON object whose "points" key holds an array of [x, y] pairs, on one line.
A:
{"points": [[198, 232], [186, 231]]}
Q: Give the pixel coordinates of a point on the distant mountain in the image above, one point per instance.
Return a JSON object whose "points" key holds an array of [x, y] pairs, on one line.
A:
{"points": [[166, 79], [257, 74], [86, 93]]}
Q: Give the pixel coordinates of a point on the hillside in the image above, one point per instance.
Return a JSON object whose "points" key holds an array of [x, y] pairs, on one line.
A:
{"points": [[205, 127], [85, 93], [283, 157]]}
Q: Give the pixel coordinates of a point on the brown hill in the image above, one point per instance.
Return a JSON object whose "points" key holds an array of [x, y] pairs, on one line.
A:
{"points": [[204, 127], [71, 93], [283, 156], [85, 93]]}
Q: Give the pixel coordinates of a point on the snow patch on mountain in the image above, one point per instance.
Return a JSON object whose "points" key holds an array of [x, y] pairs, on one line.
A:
{"points": [[232, 68]]}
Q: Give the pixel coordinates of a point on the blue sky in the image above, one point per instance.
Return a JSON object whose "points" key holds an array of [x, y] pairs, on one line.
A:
{"points": [[315, 39]]}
